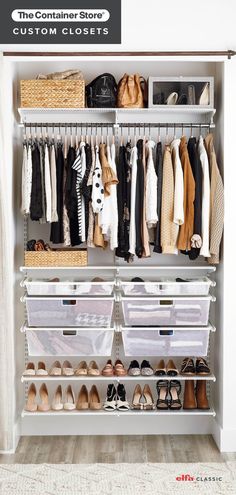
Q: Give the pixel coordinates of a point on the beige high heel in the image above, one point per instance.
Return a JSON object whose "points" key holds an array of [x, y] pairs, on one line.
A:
{"points": [[41, 369], [147, 394], [67, 369], [31, 404], [69, 403], [136, 404], [93, 369], [57, 404], [83, 401], [44, 405], [30, 370], [55, 370], [94, 399]]}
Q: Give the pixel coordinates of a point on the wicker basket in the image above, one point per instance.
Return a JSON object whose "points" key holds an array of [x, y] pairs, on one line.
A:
{"points": [[58, 257], [52, 93]]}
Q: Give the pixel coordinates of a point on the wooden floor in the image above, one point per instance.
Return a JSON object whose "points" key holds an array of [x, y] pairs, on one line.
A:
{"points": [[114, 449]]}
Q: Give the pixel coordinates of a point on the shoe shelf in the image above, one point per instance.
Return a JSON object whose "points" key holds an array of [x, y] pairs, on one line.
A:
{"points": [[205, 268], [118, 115], [117, 379], [181, 412]]}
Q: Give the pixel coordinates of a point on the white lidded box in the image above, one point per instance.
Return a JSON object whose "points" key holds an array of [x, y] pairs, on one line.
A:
{"points": [[61, 312], [64, 287], [171, 342], [69, 342], [168, 286], [152, 311]]}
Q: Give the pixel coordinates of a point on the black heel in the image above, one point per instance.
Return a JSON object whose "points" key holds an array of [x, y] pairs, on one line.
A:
{"points": [[162, 394], [175, 389]]}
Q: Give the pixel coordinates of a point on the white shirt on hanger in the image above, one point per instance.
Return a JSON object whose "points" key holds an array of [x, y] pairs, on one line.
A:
{"points": [[26, 180], [179, 183], [132, 231], [108, 217], [151, 188], [205, 251], [54, 215], [97, 189]]}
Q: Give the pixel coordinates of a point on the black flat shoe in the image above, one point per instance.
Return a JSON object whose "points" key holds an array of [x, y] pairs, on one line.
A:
{"points": [[188, 367], [174, 390], [202, 367], [162, 394]]}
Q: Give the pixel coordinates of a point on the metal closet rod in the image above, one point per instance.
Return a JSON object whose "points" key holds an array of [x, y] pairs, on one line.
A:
{"points": [[110, 125]]}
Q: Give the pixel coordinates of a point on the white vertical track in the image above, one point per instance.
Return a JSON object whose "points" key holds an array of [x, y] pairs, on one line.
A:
{"points": [[26, 385]]}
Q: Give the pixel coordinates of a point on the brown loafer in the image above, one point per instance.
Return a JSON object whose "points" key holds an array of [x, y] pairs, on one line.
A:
{"points": [[119, 368], [108, 369]]}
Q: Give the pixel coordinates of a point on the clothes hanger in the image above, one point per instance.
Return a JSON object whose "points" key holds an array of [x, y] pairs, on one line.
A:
{"points": [[191, 131], [96, 135], [121, 136], [182, 130], [159, 134], [167, 136], [174, 132], [59, 134]]}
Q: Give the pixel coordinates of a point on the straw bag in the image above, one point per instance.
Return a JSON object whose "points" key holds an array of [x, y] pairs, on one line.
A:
{"points": [[132, 91]]}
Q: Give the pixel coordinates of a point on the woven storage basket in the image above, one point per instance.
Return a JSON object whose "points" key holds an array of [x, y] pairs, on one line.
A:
{"points": [[52, 93], [60, 257]]}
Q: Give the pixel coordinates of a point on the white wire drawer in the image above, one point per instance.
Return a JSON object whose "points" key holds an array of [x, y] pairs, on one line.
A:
{"points": [[154, 311], [168, 286], [47, 287], [169, 342], [61, 312], [69, 342]]}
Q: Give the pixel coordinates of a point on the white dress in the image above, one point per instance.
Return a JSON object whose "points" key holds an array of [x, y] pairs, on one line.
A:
{"points": [[54, 215], [151, 188], [132, 231], [178, 183], [205, 251], [97, 188], [26, 179]]}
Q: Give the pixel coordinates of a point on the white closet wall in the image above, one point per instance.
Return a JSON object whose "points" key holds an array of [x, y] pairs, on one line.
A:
{"points": [[28, 68]]}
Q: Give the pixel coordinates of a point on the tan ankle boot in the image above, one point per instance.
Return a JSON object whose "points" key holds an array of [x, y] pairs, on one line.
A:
{"points": [[201, 395], [189, 395]]}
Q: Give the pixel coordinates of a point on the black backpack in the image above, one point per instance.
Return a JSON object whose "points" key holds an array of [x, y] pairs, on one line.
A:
{"points": [[101, 92]]}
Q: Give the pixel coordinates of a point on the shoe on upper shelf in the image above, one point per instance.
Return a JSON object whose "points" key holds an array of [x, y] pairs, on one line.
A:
{"points": [[134, 368], [57, 404], [119, 369], [202, 367], [44, 405], [67, 369], [55, 369], [82, 369], [31, 404], [30, 370], [171, 369], [41, 369], [108, 369], [146, 368], [188, 367], [161, 368], [93, 369]]}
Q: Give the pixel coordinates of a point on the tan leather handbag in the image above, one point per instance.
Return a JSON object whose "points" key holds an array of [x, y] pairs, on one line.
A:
{"points": [[131, 91]]}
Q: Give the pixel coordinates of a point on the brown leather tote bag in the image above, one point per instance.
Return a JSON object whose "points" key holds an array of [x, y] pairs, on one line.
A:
{"points": [[132, 91]]}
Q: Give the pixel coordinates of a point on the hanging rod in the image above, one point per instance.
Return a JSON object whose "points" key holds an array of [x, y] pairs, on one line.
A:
{"points": [[221, 53], [105, 125]]}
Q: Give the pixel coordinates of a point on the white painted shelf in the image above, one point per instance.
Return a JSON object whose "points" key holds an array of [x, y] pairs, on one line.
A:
{"points": [[181, 412], [175, 114], [207, 268], [117, 379]]}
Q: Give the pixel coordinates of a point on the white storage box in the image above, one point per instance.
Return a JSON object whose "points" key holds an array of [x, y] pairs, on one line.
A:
{"points": [[168, 286], [165, 342], [67, 287], [69, 342], [154, 311], [61, 312]]}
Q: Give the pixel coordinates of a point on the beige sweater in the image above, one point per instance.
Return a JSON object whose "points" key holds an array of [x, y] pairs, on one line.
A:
{"points": [[216, 202], [169, 230]]}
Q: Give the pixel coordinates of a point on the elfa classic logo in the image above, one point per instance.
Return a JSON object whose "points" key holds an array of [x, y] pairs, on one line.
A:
{"points": [[188, 477]]}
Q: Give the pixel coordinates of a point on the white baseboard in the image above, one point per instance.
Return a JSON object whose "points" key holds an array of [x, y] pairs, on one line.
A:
{"points": [[225, 439]]}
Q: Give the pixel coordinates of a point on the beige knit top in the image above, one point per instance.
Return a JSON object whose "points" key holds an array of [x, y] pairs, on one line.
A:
{"points": [[169, 230]]}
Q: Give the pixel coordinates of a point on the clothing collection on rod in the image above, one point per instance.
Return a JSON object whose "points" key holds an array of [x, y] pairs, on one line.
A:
{"points": [[128, 197]]}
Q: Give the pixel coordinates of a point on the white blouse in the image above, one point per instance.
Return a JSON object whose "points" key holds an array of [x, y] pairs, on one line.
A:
{"points": [[97, 189], [151, 188], [205, 251], [108, 217]]}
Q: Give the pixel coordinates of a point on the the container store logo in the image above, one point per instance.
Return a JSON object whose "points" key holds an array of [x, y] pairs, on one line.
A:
{"points": [[71, 22], [58, 15]]}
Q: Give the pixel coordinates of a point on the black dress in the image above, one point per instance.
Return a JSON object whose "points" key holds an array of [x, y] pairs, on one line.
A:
{"points": [[139, 199], [159, 171], [57, 231], [121, 249], [197, 174], [36, 207]]}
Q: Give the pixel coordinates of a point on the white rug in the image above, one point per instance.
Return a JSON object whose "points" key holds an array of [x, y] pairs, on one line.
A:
{"points": [[118, 479]]}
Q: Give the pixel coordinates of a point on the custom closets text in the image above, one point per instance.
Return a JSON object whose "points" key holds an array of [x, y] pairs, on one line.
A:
{"points": [[169, 196]]}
